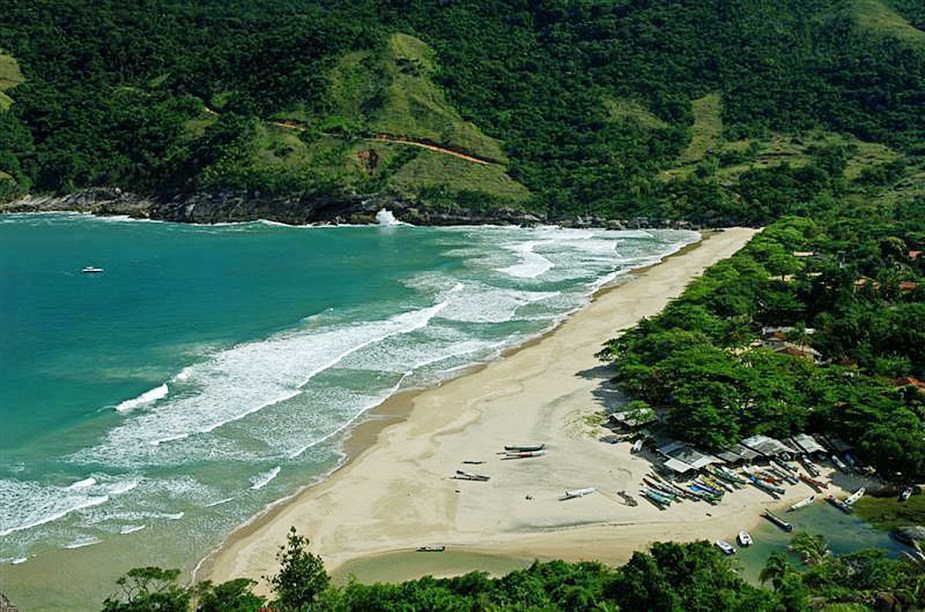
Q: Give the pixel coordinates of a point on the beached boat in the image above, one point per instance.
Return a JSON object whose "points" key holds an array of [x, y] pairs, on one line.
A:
{"points": [[463, 475], [432, 548], [855, 496], [471, 462], [725, 546], [705, 494], [765, 486], [783, 475], [778, 521], [706, 487], [628, 499], [803, 503], [783, 465], [745, 538], [656, 499], [718, 484], [906, 494], [524, 454], [655, 492], [637, 446], [811, 467], [92, 270], [661, 488], [839, 463], [735, 478], [839, 504], [817, 484], [727, 476], [574, 493], [526, 448]]}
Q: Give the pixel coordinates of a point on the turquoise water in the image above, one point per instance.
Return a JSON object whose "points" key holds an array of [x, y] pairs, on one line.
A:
{"points": [[212, 370], [844, 533]]}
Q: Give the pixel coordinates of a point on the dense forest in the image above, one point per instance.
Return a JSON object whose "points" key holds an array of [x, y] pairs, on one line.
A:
{"points": [[613, 108], [846, 291], [668, 577]]}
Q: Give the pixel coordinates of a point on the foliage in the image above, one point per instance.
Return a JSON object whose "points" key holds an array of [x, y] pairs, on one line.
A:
{"points": [[589, 106], [149, 589], [301, 578], [716, 378]]}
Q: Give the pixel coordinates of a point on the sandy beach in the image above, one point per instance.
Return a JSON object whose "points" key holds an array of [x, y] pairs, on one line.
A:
{"points": [[399, 493]]}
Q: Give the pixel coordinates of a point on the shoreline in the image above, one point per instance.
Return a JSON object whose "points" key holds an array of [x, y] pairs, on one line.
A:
{"points": [[371, 505]]}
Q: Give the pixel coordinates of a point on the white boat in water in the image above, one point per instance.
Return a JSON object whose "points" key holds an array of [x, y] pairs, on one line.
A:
{"points": [[92, 270], [855, 497], [745, 538], [725, 546], [803, 503]]}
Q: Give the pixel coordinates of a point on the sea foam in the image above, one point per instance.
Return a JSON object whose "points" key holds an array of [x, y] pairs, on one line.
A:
{"points": [[147, 397]]}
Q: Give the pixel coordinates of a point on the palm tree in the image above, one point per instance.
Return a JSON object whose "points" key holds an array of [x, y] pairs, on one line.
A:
{"points": [[776, 568], [813, 548]]}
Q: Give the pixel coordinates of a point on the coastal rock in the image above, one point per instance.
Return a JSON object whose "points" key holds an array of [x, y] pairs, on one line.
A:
{"points": [[909, 534], [6, 605]]}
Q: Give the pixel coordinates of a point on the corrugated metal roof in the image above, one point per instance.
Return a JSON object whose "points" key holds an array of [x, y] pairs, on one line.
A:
{"points": [[678, 466], [808, 444], [671, 447]]}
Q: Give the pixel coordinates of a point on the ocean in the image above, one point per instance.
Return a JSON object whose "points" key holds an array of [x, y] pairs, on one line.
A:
{"points": [[210, 371]]}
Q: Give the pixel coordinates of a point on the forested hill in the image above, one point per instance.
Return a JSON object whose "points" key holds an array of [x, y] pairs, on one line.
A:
{"points": [[688, 109]]}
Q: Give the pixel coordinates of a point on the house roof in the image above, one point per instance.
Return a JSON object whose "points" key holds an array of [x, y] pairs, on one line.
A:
{"points": [[769, 447], [807, 444], [744, 452], [634, 418], [678, 466]]}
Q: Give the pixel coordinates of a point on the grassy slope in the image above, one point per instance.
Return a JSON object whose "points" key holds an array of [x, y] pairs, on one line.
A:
{"points": [[707, 143], [622, 109], [392, 93], [878, 18], [10, 77]]}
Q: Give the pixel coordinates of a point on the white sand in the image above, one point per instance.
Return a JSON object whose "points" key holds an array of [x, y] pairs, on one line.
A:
{"points": [[400, 494]]}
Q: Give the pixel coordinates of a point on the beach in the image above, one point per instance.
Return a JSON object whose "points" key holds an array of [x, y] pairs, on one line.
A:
{"points": [[398, 492]]}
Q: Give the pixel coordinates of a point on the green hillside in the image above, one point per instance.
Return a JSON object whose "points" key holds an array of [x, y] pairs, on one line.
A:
{"points": [[661, 109]]}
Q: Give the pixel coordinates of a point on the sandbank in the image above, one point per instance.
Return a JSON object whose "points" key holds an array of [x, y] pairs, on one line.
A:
{"points": [[398, 491]]}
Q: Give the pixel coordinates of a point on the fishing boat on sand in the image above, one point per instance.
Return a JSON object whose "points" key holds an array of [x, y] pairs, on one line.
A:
{"points": [[575, 493], [432, 548], [524, 454], [803, 503], [628, 499], [526, 448], [463, 475], [658, 500], [637, 446], [811, 467], [765, 486], [817, 484]]}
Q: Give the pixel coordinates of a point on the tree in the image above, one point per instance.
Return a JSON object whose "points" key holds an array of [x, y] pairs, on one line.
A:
{"points": [[149, 589], [775, 570], [301, 578], [232, 596], [812, 547]]}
